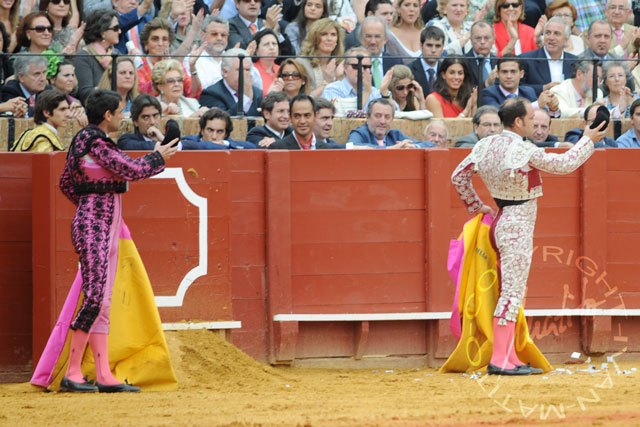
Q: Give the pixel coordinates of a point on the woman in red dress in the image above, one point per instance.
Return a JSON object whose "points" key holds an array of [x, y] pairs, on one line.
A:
{"points": [[453, 93]]}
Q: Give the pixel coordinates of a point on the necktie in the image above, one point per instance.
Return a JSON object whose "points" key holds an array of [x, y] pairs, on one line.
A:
{"points": [[381, 142], [618, 34], [377, 75], [32, 100], [430, 78], [253, 28], [511, 95]]}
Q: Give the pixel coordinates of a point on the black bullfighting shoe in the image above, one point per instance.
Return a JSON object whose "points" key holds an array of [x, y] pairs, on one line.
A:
{"points": [[534, 371], [85, 387], [118, 388], [518, 370]]}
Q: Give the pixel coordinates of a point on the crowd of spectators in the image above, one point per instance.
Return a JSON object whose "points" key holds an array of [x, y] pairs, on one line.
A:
{"points": [[287, 59]]}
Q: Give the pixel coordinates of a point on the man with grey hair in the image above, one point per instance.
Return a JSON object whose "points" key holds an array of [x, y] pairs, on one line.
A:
{"points": [[482, 42], [549, 65], [224, 94], [576, 93], [373, 37], [618, 13], [485, 122], [377, 132], [215, 32], [437, 133], [31, 73]]}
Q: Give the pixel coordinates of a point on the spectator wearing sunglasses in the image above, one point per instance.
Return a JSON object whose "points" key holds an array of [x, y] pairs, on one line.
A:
{"points": [[407, 93], [512, 36], [348, 86], [100, 35], [156, 39], [35, 33], [66, 33], [167, 78], [292, 79]]}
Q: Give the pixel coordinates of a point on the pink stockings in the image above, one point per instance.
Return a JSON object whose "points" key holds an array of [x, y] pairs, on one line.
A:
{"points": [[504, 354], [100, 349]]}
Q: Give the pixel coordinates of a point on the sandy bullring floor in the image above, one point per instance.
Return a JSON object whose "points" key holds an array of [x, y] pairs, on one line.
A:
{"points": [[220, 385]]}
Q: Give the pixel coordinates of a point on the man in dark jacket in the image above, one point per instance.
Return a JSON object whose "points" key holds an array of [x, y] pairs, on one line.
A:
{"points": [[146, 113], [574, 135], [303, 113], [275, 110], [425, 69], [225, 93], [215, 132], [31, 73]]}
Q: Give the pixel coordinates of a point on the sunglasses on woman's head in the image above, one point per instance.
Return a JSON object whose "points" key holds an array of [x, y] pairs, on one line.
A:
{"points": [[510, 5], [42, 28], [291, 76], [58, 1]]}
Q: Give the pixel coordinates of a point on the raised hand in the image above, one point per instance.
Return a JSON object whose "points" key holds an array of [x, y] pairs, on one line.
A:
{"points": [[195, 54], [167, 150], [595, 134]]}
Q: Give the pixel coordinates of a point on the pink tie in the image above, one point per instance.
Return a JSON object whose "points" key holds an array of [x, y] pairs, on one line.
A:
{"points": [[618, 34], [253, 28], [381, 142]]}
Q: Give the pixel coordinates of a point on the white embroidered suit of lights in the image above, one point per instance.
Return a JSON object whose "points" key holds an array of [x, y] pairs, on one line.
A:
{"points": [[509, 167]]}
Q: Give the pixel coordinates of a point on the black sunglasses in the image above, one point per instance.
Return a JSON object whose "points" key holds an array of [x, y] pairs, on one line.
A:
{"points": [[510, 5], [115, 28], [364, 67], [58, 1], [290, 76], [410, 86], [42, 28]]}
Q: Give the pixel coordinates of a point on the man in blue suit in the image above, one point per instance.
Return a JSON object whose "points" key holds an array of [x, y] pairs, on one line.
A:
{"points": [[224, 94], [546, 67], [508, 84], [377, 132]]}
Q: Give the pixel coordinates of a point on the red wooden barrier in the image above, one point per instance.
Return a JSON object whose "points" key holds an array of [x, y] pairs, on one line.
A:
{"points": [[15, 263], [333, 232]]}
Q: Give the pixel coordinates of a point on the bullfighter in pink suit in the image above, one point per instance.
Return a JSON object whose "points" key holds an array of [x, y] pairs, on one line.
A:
{"points": [[94, 177], [510, 168]]}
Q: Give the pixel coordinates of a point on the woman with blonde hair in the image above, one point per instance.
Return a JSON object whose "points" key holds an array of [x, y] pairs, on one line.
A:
{"points": [[454, 25], [398, 83], [126, 81], [292, 78], [404, 34], [167, 78], [325, 39]]}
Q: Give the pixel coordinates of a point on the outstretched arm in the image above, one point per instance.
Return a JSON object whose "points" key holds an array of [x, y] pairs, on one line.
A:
{"points": [[112, 159], [572, 159]]}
